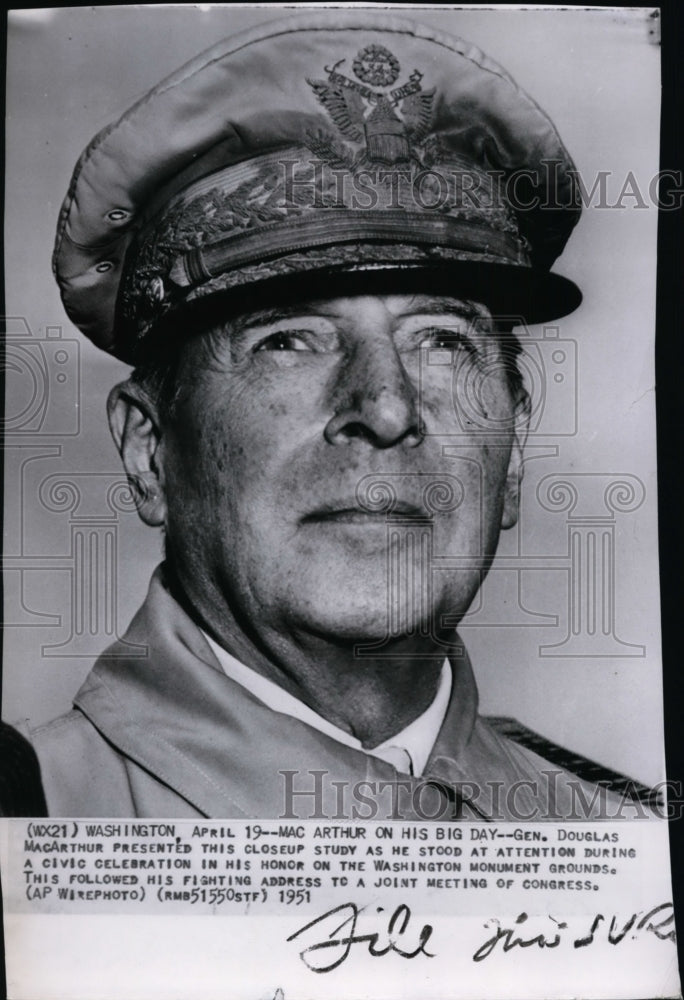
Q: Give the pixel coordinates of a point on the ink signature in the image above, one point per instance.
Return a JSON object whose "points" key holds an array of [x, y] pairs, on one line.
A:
{"points": [[659, 921], [395, 936]]}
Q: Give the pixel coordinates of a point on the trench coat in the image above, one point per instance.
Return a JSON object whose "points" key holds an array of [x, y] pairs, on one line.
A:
{"points": [[158, 730]]}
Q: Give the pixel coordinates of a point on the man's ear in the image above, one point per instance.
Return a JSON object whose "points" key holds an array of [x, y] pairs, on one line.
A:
{"points": [[134, 424], [521, 418]]}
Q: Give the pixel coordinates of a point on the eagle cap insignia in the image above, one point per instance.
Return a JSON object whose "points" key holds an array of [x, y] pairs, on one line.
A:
{"points": [[390, 124]]}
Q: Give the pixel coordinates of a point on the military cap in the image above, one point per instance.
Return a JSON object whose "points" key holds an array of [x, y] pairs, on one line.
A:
{"points": [[328, 144]]}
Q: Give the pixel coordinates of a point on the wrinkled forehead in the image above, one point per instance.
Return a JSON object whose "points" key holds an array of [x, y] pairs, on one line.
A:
{"points": [[366, 309]]}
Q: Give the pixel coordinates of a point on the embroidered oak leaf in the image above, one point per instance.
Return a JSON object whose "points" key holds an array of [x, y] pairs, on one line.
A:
{"points": [[323, 145], [344, 105], [432, 151]]}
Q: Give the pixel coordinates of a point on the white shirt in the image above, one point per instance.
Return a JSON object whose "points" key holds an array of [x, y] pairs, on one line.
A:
{"points": [[407, 750]]}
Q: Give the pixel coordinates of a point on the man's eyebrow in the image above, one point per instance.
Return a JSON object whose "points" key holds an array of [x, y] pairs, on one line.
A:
{"points": [[440, 306], [261, 317]]}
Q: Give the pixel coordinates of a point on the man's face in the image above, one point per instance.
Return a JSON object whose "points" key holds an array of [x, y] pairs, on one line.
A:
{"points": [[341, 467]]}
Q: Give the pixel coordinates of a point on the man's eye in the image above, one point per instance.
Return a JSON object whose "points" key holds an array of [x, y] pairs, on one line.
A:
{"points": [[283, 340], [444, 339]]}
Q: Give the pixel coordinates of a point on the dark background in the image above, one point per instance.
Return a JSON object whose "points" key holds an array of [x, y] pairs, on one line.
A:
{"points": [[670, 423]]}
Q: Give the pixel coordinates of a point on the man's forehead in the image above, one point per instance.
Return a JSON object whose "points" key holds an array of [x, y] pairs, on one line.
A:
{"points": [[397, 305]]}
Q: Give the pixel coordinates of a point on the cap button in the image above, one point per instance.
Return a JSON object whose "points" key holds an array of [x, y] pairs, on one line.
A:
{"points": [[118, 215]]}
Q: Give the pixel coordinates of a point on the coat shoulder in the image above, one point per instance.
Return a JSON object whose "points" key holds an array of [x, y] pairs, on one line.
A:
{"points": [[82, 773], [541, 750]]}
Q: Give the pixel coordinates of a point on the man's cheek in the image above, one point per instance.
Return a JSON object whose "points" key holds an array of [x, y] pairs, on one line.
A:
{"points": [[479, 398], [455, 408], [437, 406], [497, 401]]}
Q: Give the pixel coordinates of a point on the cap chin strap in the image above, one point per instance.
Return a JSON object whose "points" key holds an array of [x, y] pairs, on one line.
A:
{"points": [[333, 226]]}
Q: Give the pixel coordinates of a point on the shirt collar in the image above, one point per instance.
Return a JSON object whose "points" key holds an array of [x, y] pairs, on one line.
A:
{"points": [[408, 750]]}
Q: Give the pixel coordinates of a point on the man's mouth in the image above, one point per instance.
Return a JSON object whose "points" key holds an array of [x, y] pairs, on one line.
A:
{"points": [[351, 512]]}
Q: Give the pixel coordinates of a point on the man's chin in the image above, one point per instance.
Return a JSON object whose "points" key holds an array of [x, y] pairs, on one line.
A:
{"points": [[356, 611], [365, 596], [354, 629]]}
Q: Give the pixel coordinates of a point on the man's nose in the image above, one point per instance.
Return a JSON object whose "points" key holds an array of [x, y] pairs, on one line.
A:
{"points": [[374, 399]]}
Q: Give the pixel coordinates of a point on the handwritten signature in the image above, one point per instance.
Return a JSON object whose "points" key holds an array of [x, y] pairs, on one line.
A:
{"points": [[659, 921], [395, 937], [335, 934]]}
